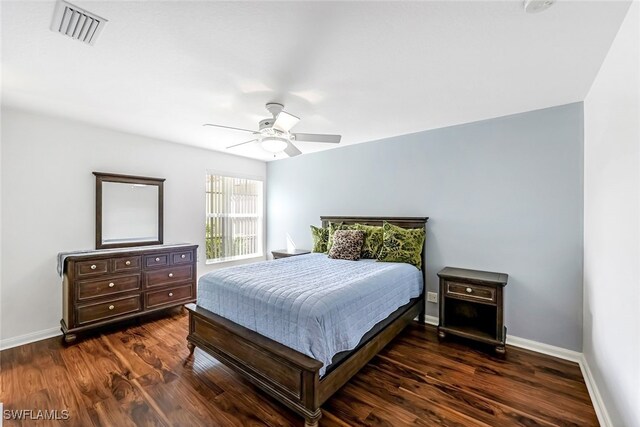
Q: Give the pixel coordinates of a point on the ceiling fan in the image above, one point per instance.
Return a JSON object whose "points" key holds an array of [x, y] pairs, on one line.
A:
{"points": [[274, 134]]}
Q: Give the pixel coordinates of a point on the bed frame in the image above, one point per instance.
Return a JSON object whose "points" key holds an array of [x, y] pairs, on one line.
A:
{"points": [[285, 374]]}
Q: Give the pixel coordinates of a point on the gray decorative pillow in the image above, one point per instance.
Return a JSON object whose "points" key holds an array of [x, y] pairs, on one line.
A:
{"points": [[347, 244]]}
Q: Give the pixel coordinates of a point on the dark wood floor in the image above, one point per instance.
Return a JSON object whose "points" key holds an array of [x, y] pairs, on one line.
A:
{"points": [[141, 375]]}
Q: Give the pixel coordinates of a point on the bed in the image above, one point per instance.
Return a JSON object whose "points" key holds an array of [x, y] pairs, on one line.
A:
{"points": [[299, 328]]}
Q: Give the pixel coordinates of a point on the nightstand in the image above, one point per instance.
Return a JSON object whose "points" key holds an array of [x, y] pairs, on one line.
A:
{"points": [[283, 253], [472, 306]]}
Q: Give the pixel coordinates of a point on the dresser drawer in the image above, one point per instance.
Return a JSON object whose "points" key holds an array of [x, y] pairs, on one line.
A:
{"points": [[157, 260], [105, 310], [102, 287], [168, 276], [92, 268], [478, 293], [130, 263], [168, 296], [181, 257]]}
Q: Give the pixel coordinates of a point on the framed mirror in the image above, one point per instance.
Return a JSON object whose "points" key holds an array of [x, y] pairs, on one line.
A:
{"points": [[128, 210]]}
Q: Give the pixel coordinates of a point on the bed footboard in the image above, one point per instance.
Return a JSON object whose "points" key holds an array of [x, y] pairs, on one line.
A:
{"points": [[290, 377], [285, 374]]}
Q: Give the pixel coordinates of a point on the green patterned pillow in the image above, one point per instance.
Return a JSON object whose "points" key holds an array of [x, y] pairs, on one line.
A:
{"points": [[401, 244], [372, 240], [320, 239]]}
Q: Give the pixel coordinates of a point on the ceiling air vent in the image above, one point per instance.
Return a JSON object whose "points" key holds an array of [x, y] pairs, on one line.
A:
{"points": [[77, 23]]}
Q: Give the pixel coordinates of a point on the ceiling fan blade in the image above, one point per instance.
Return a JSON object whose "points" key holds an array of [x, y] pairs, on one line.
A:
{"points": [[229, 127], [285, 121], [292, 150], [242, 143], [317, 137]]}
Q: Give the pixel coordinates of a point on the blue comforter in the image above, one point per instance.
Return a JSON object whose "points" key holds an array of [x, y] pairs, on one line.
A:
{"points": [[310, 303]]}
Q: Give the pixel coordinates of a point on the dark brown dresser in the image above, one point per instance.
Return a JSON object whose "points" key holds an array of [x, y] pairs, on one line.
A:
{"points": [[102, 287]]}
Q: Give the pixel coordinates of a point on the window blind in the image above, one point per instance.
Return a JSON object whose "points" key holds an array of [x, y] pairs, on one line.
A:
{"points": [[234, 218]]}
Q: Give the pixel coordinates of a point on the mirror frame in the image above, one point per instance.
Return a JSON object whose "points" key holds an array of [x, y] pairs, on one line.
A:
{"points": [[126, 179]]}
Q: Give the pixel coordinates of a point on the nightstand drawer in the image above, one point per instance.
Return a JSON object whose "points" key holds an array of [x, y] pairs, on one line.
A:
{"points": [[473, 292]]}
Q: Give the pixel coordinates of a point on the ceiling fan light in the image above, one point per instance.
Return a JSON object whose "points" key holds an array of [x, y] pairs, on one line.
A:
{"points": [[274, 144]]}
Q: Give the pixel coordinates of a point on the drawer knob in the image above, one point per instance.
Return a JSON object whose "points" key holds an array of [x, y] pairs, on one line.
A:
{"points": [[170, 294], [93, 266], [183, 256], [111, 307], [469, 290], [157, 259], [170, 274], [111, 285], [127, 262]]}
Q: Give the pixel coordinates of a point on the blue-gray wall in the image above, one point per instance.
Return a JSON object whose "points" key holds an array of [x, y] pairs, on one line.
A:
{"points": [[504, 195]]}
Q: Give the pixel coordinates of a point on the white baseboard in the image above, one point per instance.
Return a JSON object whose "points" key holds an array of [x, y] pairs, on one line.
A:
{"points": [[29, 338], [596, 399], [561, 353], [431, 320], [550, 350]]}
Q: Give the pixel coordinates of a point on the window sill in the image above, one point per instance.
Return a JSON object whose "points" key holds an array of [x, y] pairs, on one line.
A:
{"points": [[236, 258]]}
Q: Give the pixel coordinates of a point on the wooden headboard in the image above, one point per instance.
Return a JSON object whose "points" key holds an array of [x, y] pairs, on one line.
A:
{"points": [[404, 222]]}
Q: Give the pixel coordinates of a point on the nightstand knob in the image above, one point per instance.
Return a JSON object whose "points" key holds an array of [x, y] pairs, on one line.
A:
{"points": [[93, 266], [157, 259], [111, 285], [170, 294], [111, 307], [469, 290], [170, 274], [127, 262], [183, 256]]}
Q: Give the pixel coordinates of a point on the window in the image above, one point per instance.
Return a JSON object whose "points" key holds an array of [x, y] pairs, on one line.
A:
{"points": [[234, 218]]}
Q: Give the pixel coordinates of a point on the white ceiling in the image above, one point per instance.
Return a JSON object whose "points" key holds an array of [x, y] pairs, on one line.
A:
{"points": [[363, 70]]}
